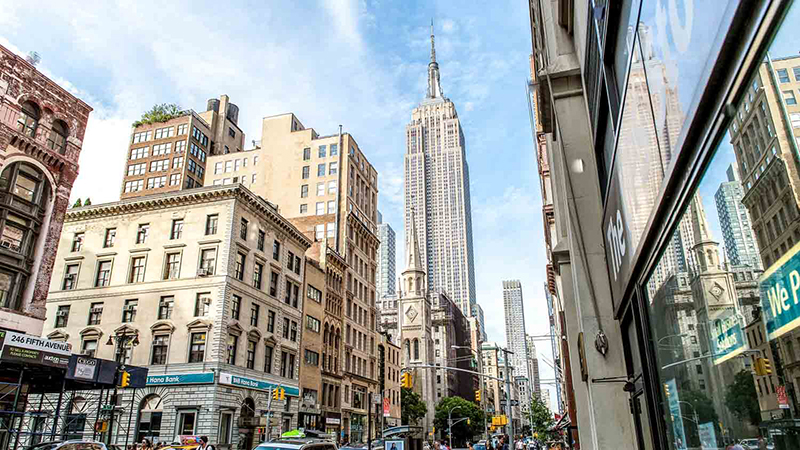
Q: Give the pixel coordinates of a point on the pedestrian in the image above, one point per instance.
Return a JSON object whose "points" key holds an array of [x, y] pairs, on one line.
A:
{"points": [[762, 443], [204, 445], [146, 445]]}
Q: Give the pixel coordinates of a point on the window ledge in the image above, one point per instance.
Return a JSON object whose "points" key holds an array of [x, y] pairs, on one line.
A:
{"points": [[139, 250], [169, 246], [80, 257], [209, 241]]}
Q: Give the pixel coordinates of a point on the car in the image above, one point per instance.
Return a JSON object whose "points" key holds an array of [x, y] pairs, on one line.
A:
{"points": [[479, 446], [73, 444], [298, 444], [752, 444]]}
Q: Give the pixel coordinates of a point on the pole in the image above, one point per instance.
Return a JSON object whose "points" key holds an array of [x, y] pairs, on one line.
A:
{"points": [[508, 402], [16, 402], [111, 420], [97, 416], [369, 423], [269, 413], [58, 408], [450, 424], [130, 412]]}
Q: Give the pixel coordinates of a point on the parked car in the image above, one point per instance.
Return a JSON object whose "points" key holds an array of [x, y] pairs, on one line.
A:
{"points": [[75, 444], [298, 444]]}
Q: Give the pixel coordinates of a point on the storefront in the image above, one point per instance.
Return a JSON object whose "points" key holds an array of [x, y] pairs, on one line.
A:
{"points": [[697, 134], [358, 423], [333, 424]]}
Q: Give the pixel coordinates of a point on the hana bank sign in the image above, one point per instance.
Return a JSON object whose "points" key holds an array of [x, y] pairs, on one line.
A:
{"points": [[780, 294]]}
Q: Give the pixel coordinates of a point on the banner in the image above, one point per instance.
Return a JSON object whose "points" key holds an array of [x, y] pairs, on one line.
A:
{"points": [[780, 299], [386, 407], [708, 438], [726, 335], [25, 348], [671, 392], [235, 380], [180, 378]]}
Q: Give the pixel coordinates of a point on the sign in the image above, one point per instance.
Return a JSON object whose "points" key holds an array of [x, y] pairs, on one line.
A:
{"points": [[783, 399], [181, 378], [618, 244], [25, 348], [708, 438], [235, 380], [398, 444], [377, 398], [780, 299], [386, 407], [671, 392], [726, 335], [85, 368], [333, 421]]}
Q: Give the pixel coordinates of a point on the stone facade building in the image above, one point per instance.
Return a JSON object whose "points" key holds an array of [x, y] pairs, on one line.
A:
{"points": [[41, 134], [211, 281], [312, 347], [391, 380]]}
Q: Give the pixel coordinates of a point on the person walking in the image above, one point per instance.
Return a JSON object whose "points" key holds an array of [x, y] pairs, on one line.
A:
{"points": [[146, 444], [204, 445]]}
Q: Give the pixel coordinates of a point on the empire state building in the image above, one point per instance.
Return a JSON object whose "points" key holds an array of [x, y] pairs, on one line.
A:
{"points": [[437, 190]]}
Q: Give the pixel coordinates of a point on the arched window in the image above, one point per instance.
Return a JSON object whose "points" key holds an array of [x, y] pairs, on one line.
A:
{"points": [[338, 336], [408, 350], [325, 335], [416, 349], [57, 140], [150, 413], [28, 119]]}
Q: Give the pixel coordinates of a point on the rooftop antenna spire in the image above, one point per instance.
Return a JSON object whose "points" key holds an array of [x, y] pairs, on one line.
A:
{"points": [[433, 49]]}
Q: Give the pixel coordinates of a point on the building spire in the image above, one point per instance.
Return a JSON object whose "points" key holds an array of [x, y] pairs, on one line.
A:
{"points": [[412, 249], [434, 88], [414, 276]]}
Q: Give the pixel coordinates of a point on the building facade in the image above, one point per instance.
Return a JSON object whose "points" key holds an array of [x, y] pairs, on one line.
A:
{"points": [[389, 354], [211, 282], [312, 347], [654, 104], [387, 255], [437, 187], [533, 366], [42, 127]]}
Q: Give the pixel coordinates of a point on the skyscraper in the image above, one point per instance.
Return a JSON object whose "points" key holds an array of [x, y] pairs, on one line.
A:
{"points": [[386, 259], [515, 326], [533, 365], [437, 188], [737, 229]]}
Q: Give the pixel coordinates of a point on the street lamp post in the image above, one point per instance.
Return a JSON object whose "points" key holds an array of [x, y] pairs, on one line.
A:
{"points": [[121, 340], [450, 423], [479, 362]]}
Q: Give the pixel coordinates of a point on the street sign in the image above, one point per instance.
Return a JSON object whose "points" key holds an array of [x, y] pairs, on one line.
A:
{"points": [[377, 398], [386, 407]]}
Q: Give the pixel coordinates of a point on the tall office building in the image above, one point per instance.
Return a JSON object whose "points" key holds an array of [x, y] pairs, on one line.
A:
{"points": [[737, 229], [533, 365], [386, 259], [437, 188], [515, 326]]}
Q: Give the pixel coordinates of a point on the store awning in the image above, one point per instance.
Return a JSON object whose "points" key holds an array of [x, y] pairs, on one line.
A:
{"points": [[562, 423]]}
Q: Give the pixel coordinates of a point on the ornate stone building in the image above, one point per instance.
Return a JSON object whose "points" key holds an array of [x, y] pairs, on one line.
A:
{"points": [[41, 135]]}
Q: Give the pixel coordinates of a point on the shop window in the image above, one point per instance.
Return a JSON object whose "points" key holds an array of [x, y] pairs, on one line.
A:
{"points": [[187, 420]]}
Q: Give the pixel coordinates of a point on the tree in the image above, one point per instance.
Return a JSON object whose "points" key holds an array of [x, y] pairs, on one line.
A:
{"points": [[159, 113], [77, 203], [462, 431], [691, 402], [88, 202], [412, 408], [540, 417], [741, 398]]}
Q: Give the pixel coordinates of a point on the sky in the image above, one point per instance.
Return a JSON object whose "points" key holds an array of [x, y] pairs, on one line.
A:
{"points": [[358, 63]]}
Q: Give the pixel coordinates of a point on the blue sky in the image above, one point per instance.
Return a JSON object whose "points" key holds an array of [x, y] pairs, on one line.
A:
{"points": [[359, 63]]}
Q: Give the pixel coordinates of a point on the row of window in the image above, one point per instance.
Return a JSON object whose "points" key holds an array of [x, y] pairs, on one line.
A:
{"points": [[157, 150], [28, 123], [143, 232], [232, 166], [322, 151], [160, 133], [200, 137], [166, 307], [156, 182], [332, 169]]}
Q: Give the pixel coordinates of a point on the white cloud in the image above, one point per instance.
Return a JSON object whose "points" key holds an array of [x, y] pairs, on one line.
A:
{"points": [[449, 26]]}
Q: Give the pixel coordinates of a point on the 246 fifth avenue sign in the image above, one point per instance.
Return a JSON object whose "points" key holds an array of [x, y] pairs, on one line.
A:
{"points": [[24, 348], [780, 294]]}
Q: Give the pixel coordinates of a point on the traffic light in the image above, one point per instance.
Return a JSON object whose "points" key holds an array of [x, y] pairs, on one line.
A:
{"points": [[478, 395], [276, 393], [406, 380], [763, 367], [468, 421], [125, 379]]}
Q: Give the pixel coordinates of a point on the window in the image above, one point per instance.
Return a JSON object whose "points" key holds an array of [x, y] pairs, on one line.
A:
{"points": [[159, 349], [251, 354], [312, 358], [276, 250], [208, 258], [319, 231], [165, 305], [133, 186], [258, 272], [292, 292], [306, 154], [287, 365], [137, 169], [783, 75], [239, 269], [173, 266], [142, 136], [197, 350], [211, 224], [305, 174], [137, 270], [314, 293], [175, 179], [57, 140], [141, 233], [28, 119], [334, 168], [95, 313], [290, 261], [331, 207], [202, 304], [186, 421], [304, 191], [273, 284], [334, 149], [77, 242], [62, 316], [262, 236], [254, 308], [332, 187], [268, 352], [197, 152], [162, 149], [321, 151], [304, 208], [233, 343], [320, 189], [312, 324], [182, 129], [297, 265], [103, 274], [156, 182], [159, 166], [163, 133], [243, 229], [228, 166], [129, 310], [320, 208], [111, 237], [89, 347], [789, 98], [286, 323], [180, 147], [70, 277], [271, 321], [177, 229], [331, 229], [320, 170], [231, 132]]}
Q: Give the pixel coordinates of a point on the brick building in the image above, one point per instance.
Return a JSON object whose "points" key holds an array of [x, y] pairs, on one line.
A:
{"points": [[41, 135]]}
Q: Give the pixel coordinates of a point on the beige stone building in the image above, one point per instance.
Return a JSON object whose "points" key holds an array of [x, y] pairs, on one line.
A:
{"points": [[391, 379], [311, 347], [172, 155], [329, 190], [211, 283]]}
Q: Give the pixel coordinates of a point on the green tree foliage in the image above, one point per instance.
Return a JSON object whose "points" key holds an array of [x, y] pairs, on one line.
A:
{"points": [[540, 418], [159, 113], [462, 432], [741, 398], [77, 204], [412, 408], [692, 401], [88, 202]]}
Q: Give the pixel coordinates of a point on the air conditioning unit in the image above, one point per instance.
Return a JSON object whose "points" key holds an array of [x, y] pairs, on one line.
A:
{"points": [[5, 244], [202, 272], [207, 301], [70, 276], [130, 308], [96, 310], [61, 313]]}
